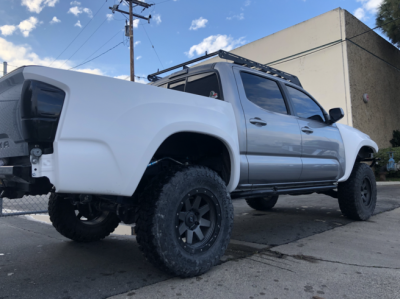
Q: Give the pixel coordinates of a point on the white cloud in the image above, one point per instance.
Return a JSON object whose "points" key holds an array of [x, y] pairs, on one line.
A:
{"points": [[247, 2], [215, 43], [25, 27], [141, 78], [55, 20], [38, 5], [371, 5], [199, 23], [239, 17], [7, 29], [28, 25], [19, 55], [91, 71], [75, 10], [110, 17], [123, 77], [88, 12], [360, 13], [139, 57], [137, 43], [368, 7], [75, 3], [156, 18], [78, 24], [136, 23]]}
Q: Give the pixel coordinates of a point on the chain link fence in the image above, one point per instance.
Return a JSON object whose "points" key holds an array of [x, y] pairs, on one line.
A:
{"points": [[24, 206]]}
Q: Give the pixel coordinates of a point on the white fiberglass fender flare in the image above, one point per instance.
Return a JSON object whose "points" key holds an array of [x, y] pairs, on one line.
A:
{"points": [[353, 140], [110, 129]]}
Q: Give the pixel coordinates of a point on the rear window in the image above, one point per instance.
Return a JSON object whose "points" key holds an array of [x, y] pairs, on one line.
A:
{"points": [[204, 85], [178, 85]]}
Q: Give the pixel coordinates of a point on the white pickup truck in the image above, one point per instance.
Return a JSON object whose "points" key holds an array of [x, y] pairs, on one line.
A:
{"points": [[170, 156]]}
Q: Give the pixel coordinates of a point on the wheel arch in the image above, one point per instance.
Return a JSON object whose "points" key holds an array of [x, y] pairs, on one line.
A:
{"points": [[356, 144], [207, 145], [200, 149], [364, 152]]}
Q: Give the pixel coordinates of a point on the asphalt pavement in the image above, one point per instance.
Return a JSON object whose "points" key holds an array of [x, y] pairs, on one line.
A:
{"points": [[303, 248]]}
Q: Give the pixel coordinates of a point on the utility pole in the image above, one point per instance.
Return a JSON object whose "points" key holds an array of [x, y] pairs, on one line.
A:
{"points": [[131, 15], [4, 68], [131, 42]]}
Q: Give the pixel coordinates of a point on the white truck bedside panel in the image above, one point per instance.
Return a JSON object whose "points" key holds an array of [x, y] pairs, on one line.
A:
{"points": [[107, 136]]}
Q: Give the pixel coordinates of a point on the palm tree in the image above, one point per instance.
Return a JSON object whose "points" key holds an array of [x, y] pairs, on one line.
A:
{"points": [[387, 13]]}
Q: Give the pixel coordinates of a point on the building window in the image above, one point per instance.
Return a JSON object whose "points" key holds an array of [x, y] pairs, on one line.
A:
{"points": [[305, 106], [264, 92]]}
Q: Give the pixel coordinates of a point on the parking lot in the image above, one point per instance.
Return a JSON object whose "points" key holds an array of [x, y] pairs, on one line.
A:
{"points": [[303, 248]]}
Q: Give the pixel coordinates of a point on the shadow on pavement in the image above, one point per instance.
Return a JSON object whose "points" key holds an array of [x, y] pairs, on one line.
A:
{"points": [[37, 262]]}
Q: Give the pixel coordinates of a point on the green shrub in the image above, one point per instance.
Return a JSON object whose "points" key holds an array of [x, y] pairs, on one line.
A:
{"points": [[383, 154], [396, 138]]}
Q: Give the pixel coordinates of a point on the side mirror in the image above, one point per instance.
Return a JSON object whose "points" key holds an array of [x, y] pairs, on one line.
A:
{"points": [[336, 114]]}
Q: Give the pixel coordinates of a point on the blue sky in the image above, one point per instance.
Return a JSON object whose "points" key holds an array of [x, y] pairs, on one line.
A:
{"points": [[39, 31]]}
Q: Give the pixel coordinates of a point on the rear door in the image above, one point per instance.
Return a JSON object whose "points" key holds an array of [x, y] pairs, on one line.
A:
{"points": [[273, 134], [322, 145]]}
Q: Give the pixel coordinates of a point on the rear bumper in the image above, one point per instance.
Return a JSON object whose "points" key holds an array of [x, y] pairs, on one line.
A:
{"points": [[16, 181], [17, 174]]}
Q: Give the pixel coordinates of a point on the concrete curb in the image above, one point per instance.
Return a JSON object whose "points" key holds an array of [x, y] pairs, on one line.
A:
{"points": [[387, 183]]}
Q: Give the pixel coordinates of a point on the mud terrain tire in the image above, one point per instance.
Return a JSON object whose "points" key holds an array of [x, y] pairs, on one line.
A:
{"points": [[69, 224], [357, 196], [185, 220], [262, 203]]}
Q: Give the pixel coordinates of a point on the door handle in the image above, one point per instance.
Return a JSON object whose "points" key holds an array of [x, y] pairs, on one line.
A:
{"points": [[258, 121], [307, 130]]}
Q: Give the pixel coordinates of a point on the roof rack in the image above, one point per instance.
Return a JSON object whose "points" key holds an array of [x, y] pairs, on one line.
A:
{"points": [[237, 60]]}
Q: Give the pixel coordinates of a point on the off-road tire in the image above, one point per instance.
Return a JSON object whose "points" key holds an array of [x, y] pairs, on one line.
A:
{"points": [[157, 225], [262, 203], [350, 195], [63, 217]]}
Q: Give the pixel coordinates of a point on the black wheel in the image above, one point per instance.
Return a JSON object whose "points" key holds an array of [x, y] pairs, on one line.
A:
{"points": [[81, 223], [185, 221], [357, 196], [262, 203]]}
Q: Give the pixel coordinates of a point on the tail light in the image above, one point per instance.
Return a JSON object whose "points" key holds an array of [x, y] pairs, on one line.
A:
{"points": [[41, 107]]}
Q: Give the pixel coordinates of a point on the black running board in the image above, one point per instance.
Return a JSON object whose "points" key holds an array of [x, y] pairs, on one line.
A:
{"points": [[275, 191]]}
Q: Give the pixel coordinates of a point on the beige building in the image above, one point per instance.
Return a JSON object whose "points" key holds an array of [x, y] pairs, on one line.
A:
{"points": [[338, 68]]}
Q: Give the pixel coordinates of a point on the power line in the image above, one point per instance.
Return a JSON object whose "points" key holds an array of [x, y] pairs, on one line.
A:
{"points": [[158, 57], [374, 55], [135, 77], [320, 48], [119, 31], [374, 28], [96, 56], [326, 46], [153, 46], [78, 33], [84, 42], [8, 64]]}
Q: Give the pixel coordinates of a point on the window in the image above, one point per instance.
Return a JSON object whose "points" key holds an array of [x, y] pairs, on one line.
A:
{"points": [[204, 85], [305, 106], [264, 93], [177, 85], [164, 85]]}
